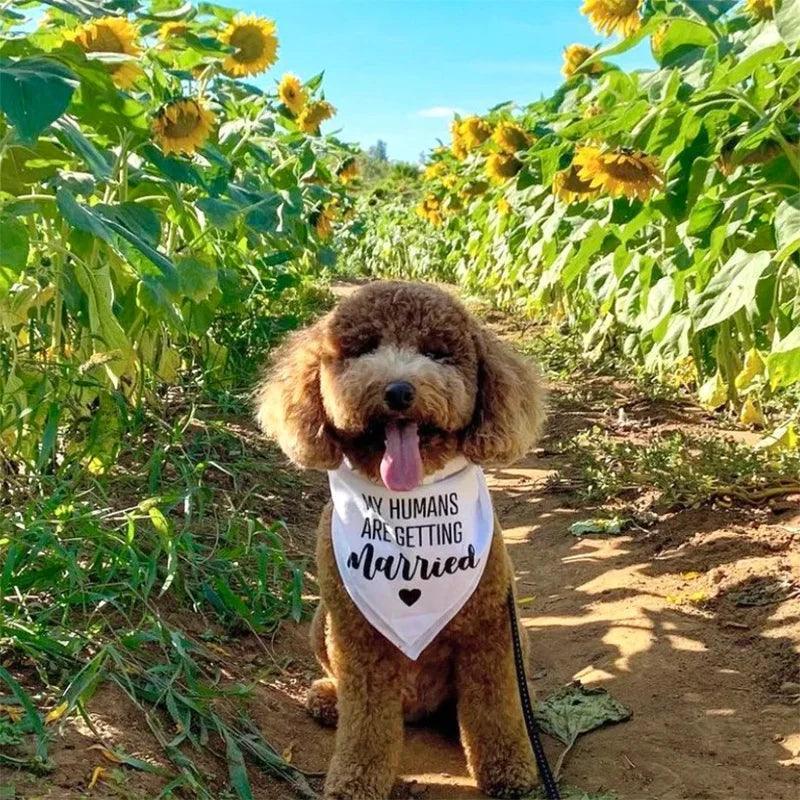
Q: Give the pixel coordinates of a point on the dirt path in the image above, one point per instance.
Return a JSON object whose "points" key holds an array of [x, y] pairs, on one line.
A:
{"points": [[713, 686]]}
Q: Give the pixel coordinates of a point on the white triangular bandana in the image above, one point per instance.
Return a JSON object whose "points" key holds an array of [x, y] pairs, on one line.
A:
{"points": [[410, 560]]}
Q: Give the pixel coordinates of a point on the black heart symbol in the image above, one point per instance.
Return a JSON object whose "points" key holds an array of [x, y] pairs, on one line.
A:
{"points": [[410, 596]]}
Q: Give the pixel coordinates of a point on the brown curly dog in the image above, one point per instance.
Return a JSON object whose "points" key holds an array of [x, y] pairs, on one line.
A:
{"points": [[467, 393]]}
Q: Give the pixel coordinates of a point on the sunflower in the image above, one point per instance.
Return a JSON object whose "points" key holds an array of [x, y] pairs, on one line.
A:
{"points": [[613, 16], [474, 131], [568, 186], [592, 110], [112, 35], [620, 173], [291, 93], [430, 209], [255, 43], [760, 9], [728, 161], [510, 138], [503, 207], [501, 167], [574, 56], [436, 169], [474, 189], [181, 126], [348, 171], [171, 30], [314, 114], [322, 221], [458, 146]]}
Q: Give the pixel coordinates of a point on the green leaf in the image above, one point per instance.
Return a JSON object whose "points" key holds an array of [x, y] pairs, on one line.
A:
{"points": [[197, 278], [138, 220], [660, 299], [684, 37], [576, 709], [710, 10], [220, 213], [176, 169], [104, 326], [236, 767], [34, 92], [783, 363], [703, 215], [71, 136], [14, 245], [730, 289], [787, 227], [766, 48], [787, 18], [81, 217]]}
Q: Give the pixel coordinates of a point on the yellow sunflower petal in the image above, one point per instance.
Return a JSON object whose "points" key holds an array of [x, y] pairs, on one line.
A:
{"points": [[613, 16], [568, 186]]}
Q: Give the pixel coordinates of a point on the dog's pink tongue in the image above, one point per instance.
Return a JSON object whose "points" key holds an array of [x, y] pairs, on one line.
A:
{"points": [[401, 465]]}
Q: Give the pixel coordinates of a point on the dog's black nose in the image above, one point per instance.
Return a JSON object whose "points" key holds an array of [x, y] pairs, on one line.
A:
{"points": [[399, 395]]}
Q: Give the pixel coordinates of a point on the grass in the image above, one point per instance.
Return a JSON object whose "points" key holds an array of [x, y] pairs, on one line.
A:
{"points": [[676, 469], [137, 575]]}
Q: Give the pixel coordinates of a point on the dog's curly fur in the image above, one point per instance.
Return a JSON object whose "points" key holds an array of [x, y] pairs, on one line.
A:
{"points": [[324, 400]]}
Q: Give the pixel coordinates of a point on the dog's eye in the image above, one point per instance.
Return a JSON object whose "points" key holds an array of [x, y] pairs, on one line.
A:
{"points": [[363, 347]]}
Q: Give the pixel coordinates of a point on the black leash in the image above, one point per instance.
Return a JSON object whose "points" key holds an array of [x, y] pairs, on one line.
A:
{"points": [[550, 785]]}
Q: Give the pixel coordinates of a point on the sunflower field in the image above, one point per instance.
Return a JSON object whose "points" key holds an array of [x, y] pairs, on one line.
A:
{"points": [[655, 211], [163, 221], [159, 214]]}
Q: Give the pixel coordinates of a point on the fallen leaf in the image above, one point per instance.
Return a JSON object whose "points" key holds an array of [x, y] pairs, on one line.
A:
{"points": [[97, 774], [14, 712], [524, 601], [108, 755], [55, 714], [687, 597], [691, 576], [612, 526], [576, 709], [288, 752]]}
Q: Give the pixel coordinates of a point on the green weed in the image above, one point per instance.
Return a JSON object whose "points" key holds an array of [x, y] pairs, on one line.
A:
{"points": [[679, 469]]}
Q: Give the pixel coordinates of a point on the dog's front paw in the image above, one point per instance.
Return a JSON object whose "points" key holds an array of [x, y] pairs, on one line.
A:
{"points": [[508, 780], [321, 702], [352, 790]]}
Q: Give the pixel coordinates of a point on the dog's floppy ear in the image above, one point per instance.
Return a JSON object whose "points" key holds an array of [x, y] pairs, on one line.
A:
{"points": [[289, 402], [509, 409]]}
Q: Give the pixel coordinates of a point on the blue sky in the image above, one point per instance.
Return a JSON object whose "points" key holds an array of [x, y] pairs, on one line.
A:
{"points": [[395, 69]]}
